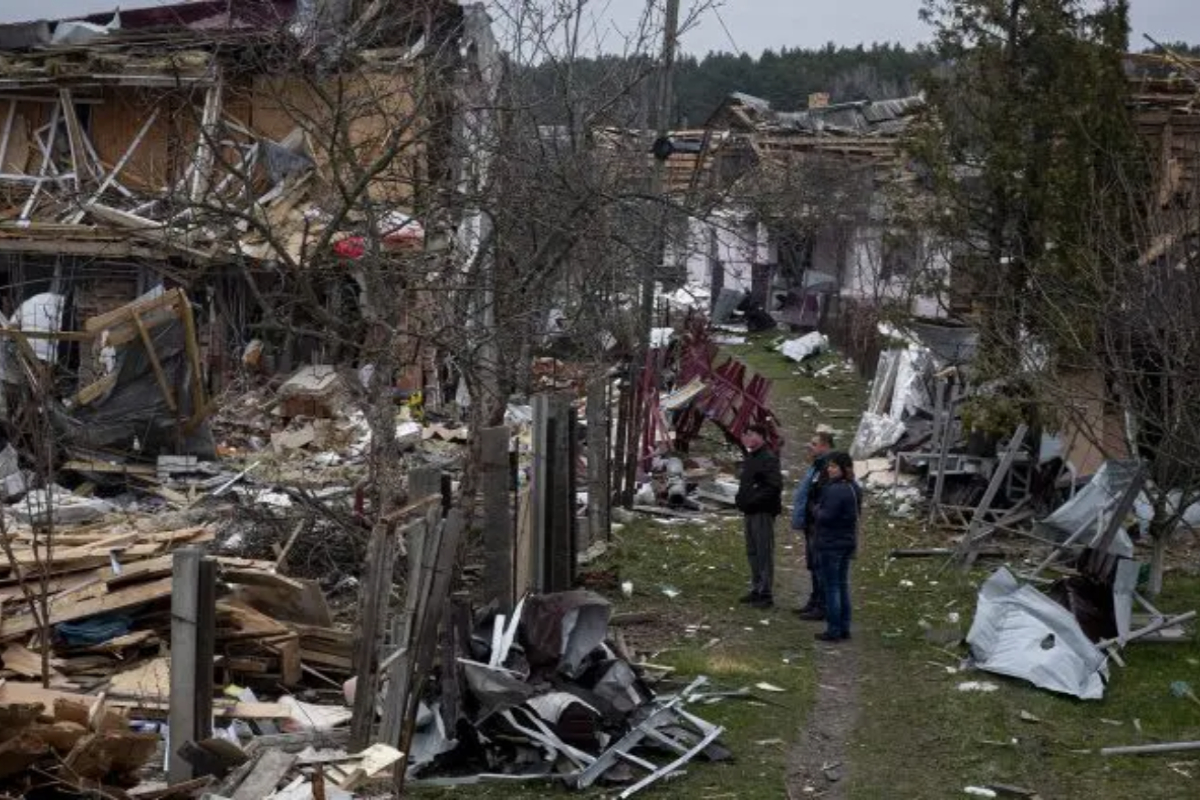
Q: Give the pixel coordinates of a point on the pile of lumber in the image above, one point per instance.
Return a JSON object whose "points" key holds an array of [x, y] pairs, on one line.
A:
{"points": [[111, 585], [85, 623], [48, 738]]}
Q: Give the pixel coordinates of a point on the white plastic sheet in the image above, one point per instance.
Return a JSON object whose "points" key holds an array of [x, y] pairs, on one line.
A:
{"points": [[911, 393], [876, 433], [42, 313], [1022, 633], [808, 345]]}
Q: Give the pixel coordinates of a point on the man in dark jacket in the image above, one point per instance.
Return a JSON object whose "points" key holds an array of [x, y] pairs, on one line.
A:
{"points": [[759, 497], [804, 518]]}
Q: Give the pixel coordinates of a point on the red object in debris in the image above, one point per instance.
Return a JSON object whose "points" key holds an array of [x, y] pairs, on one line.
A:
{"points": [[352, 247], [729, 400]]}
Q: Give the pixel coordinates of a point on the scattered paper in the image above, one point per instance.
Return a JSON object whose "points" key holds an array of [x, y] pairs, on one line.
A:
{"points": [[769, 687], [977, 686]]}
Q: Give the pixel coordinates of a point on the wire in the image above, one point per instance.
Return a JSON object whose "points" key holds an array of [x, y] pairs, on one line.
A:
{"points": [[736, 50]]}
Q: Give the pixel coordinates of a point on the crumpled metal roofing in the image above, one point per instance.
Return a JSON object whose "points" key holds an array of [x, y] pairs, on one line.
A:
{"points": [[860, 118]]}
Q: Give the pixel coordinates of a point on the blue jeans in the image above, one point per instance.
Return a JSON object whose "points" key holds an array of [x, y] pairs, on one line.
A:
{"points": [[834, 569]]}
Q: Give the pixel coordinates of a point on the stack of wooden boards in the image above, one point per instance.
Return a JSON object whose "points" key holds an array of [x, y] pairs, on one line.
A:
{"points": [[106, 590], [47, 738]]}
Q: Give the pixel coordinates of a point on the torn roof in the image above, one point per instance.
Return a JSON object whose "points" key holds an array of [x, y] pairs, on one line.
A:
{"points": [[113, 24], [863, 118]]}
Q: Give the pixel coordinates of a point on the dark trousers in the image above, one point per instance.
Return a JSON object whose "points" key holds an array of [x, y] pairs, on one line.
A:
{"points": [[834, 566], [816, 599], [760, 552]]}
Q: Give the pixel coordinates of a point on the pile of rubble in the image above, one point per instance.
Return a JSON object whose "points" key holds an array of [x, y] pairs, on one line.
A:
{"points": [[545, 694], [1071, 573]]}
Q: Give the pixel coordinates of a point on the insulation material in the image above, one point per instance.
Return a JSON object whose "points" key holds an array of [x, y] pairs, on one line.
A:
{"points": [[876, 433], [911, 394], [807, 346], [1084, 510], [1020, 632], [42, 313], [884, 385]]}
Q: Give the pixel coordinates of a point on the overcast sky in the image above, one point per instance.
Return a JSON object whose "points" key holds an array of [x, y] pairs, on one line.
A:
{"points": [[752, 24]]}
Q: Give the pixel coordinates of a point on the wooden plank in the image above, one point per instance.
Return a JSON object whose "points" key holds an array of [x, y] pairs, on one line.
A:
{"points": [[327, 660], [497, 517], [114, 601], [152, 355], [225, 710], [417, 538], [195, 368], [117, 316], [425, 639], [599, 491], [181, 675], [271, 768], [74, 139], [381, 553]]}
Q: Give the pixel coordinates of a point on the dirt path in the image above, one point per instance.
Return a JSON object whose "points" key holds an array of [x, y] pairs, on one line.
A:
{"points": [[819, 762]]}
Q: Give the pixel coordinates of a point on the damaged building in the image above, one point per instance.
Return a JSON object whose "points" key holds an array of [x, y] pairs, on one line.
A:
{"points": [[794, 208], [197, 158]]}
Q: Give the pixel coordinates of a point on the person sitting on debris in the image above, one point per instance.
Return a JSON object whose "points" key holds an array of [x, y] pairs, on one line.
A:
{"points": [[836, 543], [804, 510], [759, 497]]}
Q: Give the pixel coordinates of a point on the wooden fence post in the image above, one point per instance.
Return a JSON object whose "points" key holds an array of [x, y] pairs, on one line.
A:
{"points": [[498, 541], [599, 491], [193, 636]]}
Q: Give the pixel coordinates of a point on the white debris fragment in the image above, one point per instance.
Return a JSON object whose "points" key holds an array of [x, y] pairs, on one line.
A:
{"points": [[978, 686]]}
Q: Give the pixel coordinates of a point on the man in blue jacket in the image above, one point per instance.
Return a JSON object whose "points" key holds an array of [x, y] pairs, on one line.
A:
{"points": [[759, 497], [804, 510]]}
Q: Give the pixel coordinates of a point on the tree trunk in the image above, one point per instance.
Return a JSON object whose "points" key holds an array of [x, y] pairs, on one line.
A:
{"points": [[1160, 536]]}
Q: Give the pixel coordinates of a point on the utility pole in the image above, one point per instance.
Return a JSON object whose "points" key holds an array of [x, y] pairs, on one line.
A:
{"points": [[651, 263]]}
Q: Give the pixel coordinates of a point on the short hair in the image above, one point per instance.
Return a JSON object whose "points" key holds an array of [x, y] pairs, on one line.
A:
{"points": [[761, 430], [825, 438]]}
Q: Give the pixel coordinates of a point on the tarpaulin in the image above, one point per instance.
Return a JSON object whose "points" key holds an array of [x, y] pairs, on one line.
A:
{"points": [[134, 416]]}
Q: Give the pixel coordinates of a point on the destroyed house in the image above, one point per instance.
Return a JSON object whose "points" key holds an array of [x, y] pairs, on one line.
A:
{"points": [[793, 206], [218, 148]]}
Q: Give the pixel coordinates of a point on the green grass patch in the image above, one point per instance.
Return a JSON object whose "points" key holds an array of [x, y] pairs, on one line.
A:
{"points": [[918, 736]]}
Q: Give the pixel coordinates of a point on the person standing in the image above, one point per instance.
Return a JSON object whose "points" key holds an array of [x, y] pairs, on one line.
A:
{"points": [[836, 543], [804, 508], [759, 498]]}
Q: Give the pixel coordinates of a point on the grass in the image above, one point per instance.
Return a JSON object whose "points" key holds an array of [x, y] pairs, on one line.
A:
{"points": [[952, 739]]}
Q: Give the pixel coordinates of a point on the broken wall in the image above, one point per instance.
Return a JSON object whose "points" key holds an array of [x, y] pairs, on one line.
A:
{"points": [[1094, 429], [376, 104]]}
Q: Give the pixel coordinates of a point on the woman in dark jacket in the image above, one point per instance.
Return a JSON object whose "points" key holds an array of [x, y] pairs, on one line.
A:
{"points": [[836, 543]]}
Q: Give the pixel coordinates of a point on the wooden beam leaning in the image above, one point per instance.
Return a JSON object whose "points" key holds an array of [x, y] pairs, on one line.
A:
{"points": [[8, 126], [155, 364], [74, 138], [209, 120], [381, 554], [47, 151], [120, 165]]}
